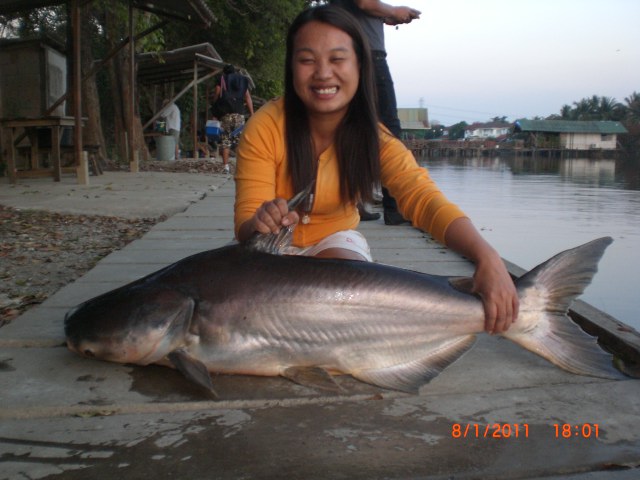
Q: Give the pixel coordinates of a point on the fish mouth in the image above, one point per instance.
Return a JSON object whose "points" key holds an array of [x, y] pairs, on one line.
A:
{"points": [[139, 349], [86, 352]]}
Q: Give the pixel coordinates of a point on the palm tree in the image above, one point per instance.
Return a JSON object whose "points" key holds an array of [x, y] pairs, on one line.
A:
{"points": [[566, 112], [633, 108], [583, 109], [610, 109]]}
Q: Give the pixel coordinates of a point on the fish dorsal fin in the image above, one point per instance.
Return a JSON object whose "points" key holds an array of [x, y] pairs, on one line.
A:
{"points": [[410, 376], [314, 377], [193, 369], [276, 243], [273, 243]]}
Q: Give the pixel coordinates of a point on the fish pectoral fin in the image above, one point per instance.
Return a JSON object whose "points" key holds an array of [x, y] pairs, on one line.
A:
{"points": [[313, 377], [410, 376], [193, 369]]}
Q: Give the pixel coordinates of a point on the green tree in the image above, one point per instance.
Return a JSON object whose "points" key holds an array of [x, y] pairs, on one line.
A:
{"points": [[609, 109], [632, 113], [594, 108], [566, 112], [250, 34], [456, 131]]}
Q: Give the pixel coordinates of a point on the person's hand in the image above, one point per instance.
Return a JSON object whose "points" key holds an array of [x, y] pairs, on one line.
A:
{"points": [[402, 15], [273, 215], [495, 287]]}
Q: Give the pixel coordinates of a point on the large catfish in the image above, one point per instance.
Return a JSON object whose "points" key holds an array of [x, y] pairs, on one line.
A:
{"points": [[245, 310]]}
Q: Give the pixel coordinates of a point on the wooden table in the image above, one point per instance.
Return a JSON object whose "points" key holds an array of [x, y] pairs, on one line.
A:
{"points": [[30, 125]]}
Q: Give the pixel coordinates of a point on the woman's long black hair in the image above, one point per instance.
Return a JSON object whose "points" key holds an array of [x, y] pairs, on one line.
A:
{"points": [[357, 143]]}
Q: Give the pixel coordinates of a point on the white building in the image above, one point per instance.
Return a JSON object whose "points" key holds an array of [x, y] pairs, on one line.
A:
{"points": [[481, 131]]}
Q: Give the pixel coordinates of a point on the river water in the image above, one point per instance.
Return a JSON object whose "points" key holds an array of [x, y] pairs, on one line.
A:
{"points": [[530, 209]]}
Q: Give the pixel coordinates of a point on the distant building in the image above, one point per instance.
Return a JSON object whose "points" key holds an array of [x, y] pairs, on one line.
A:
{"points": [[414, 122], [481, 131], [570, 135]]}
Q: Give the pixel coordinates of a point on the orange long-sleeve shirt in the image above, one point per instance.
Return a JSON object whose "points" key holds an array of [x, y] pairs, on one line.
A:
{"points": [[262, 175]]}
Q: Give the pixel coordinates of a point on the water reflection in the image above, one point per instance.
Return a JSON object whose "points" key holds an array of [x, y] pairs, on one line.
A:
{"points": [[530, 209], [618, 173]]}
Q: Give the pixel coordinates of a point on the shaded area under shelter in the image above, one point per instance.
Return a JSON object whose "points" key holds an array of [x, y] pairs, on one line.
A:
{"points": [[195, 12], [187, 67]]}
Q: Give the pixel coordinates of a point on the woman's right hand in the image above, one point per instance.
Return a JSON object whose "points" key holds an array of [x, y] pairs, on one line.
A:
{"points": [[272, 216]]}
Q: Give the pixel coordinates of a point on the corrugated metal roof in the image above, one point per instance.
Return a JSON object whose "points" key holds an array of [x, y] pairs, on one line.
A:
{"points": [[192, 11], [179, 64], [569, 126], [413, 114], [11, 6], [412, 125]]}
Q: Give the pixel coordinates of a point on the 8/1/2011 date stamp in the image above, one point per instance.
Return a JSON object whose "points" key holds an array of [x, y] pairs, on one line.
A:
{"points": [[522, 430]]}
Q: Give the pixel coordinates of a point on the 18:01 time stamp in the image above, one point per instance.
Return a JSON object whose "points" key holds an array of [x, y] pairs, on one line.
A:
{"points": [[521, 430]]}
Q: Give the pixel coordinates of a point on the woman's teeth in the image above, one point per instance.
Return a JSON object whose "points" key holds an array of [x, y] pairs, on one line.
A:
{"points": [[327, 91]]}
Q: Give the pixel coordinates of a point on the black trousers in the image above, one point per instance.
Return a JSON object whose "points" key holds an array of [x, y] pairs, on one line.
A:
{"points": [[387, 110]]}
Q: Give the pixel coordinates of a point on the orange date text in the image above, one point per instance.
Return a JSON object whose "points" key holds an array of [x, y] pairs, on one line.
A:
{"points": [[490, 430]]}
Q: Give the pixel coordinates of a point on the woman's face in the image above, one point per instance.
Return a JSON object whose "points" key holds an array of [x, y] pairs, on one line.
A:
{"points": [[325, 68]]}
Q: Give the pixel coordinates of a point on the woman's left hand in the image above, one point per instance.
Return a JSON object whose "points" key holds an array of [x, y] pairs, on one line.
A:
{"points": [[495, 287], [491, 280]]}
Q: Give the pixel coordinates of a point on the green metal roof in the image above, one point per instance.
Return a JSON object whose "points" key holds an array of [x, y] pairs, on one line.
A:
{"points": [[569, 126]]}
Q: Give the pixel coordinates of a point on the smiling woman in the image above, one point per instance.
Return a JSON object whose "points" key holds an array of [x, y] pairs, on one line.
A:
{"points": [[325, 76], [325, 136]]}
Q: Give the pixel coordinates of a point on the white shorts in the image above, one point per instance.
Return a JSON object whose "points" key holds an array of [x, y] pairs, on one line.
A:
{"points": [[346, 239]]}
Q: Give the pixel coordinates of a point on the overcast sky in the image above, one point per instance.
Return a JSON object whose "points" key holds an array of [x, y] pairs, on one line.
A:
{"points": [[473, 60]]}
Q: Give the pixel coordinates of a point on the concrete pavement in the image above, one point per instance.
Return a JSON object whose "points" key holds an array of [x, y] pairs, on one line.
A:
{"points": [[499, 412]]}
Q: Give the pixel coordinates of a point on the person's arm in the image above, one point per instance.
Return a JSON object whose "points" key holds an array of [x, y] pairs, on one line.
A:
{"points": [[260, 205], [420, 200], [391, 14], [216, 94], [491, 280], [249, 101]]}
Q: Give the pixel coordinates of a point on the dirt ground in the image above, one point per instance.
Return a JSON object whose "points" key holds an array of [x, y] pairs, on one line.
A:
{"points": [[41, 252]]}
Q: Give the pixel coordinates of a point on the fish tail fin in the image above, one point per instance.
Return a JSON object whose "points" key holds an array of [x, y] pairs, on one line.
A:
{"points": [[543, 326]]}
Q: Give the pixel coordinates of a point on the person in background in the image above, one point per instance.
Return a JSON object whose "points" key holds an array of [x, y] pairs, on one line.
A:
{"points": [[171, 114], [325, 132], [372, 16], [236, 96]]}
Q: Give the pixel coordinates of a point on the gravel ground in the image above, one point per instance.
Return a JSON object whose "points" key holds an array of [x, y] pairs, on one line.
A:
{"points": [[41, 252]]}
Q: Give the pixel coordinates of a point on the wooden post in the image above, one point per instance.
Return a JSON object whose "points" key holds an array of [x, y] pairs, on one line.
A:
{"points": [[82, 170], [195, 110], [134, 165], [11, 163], [55, 152], [132, 86], [77, 91]]}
